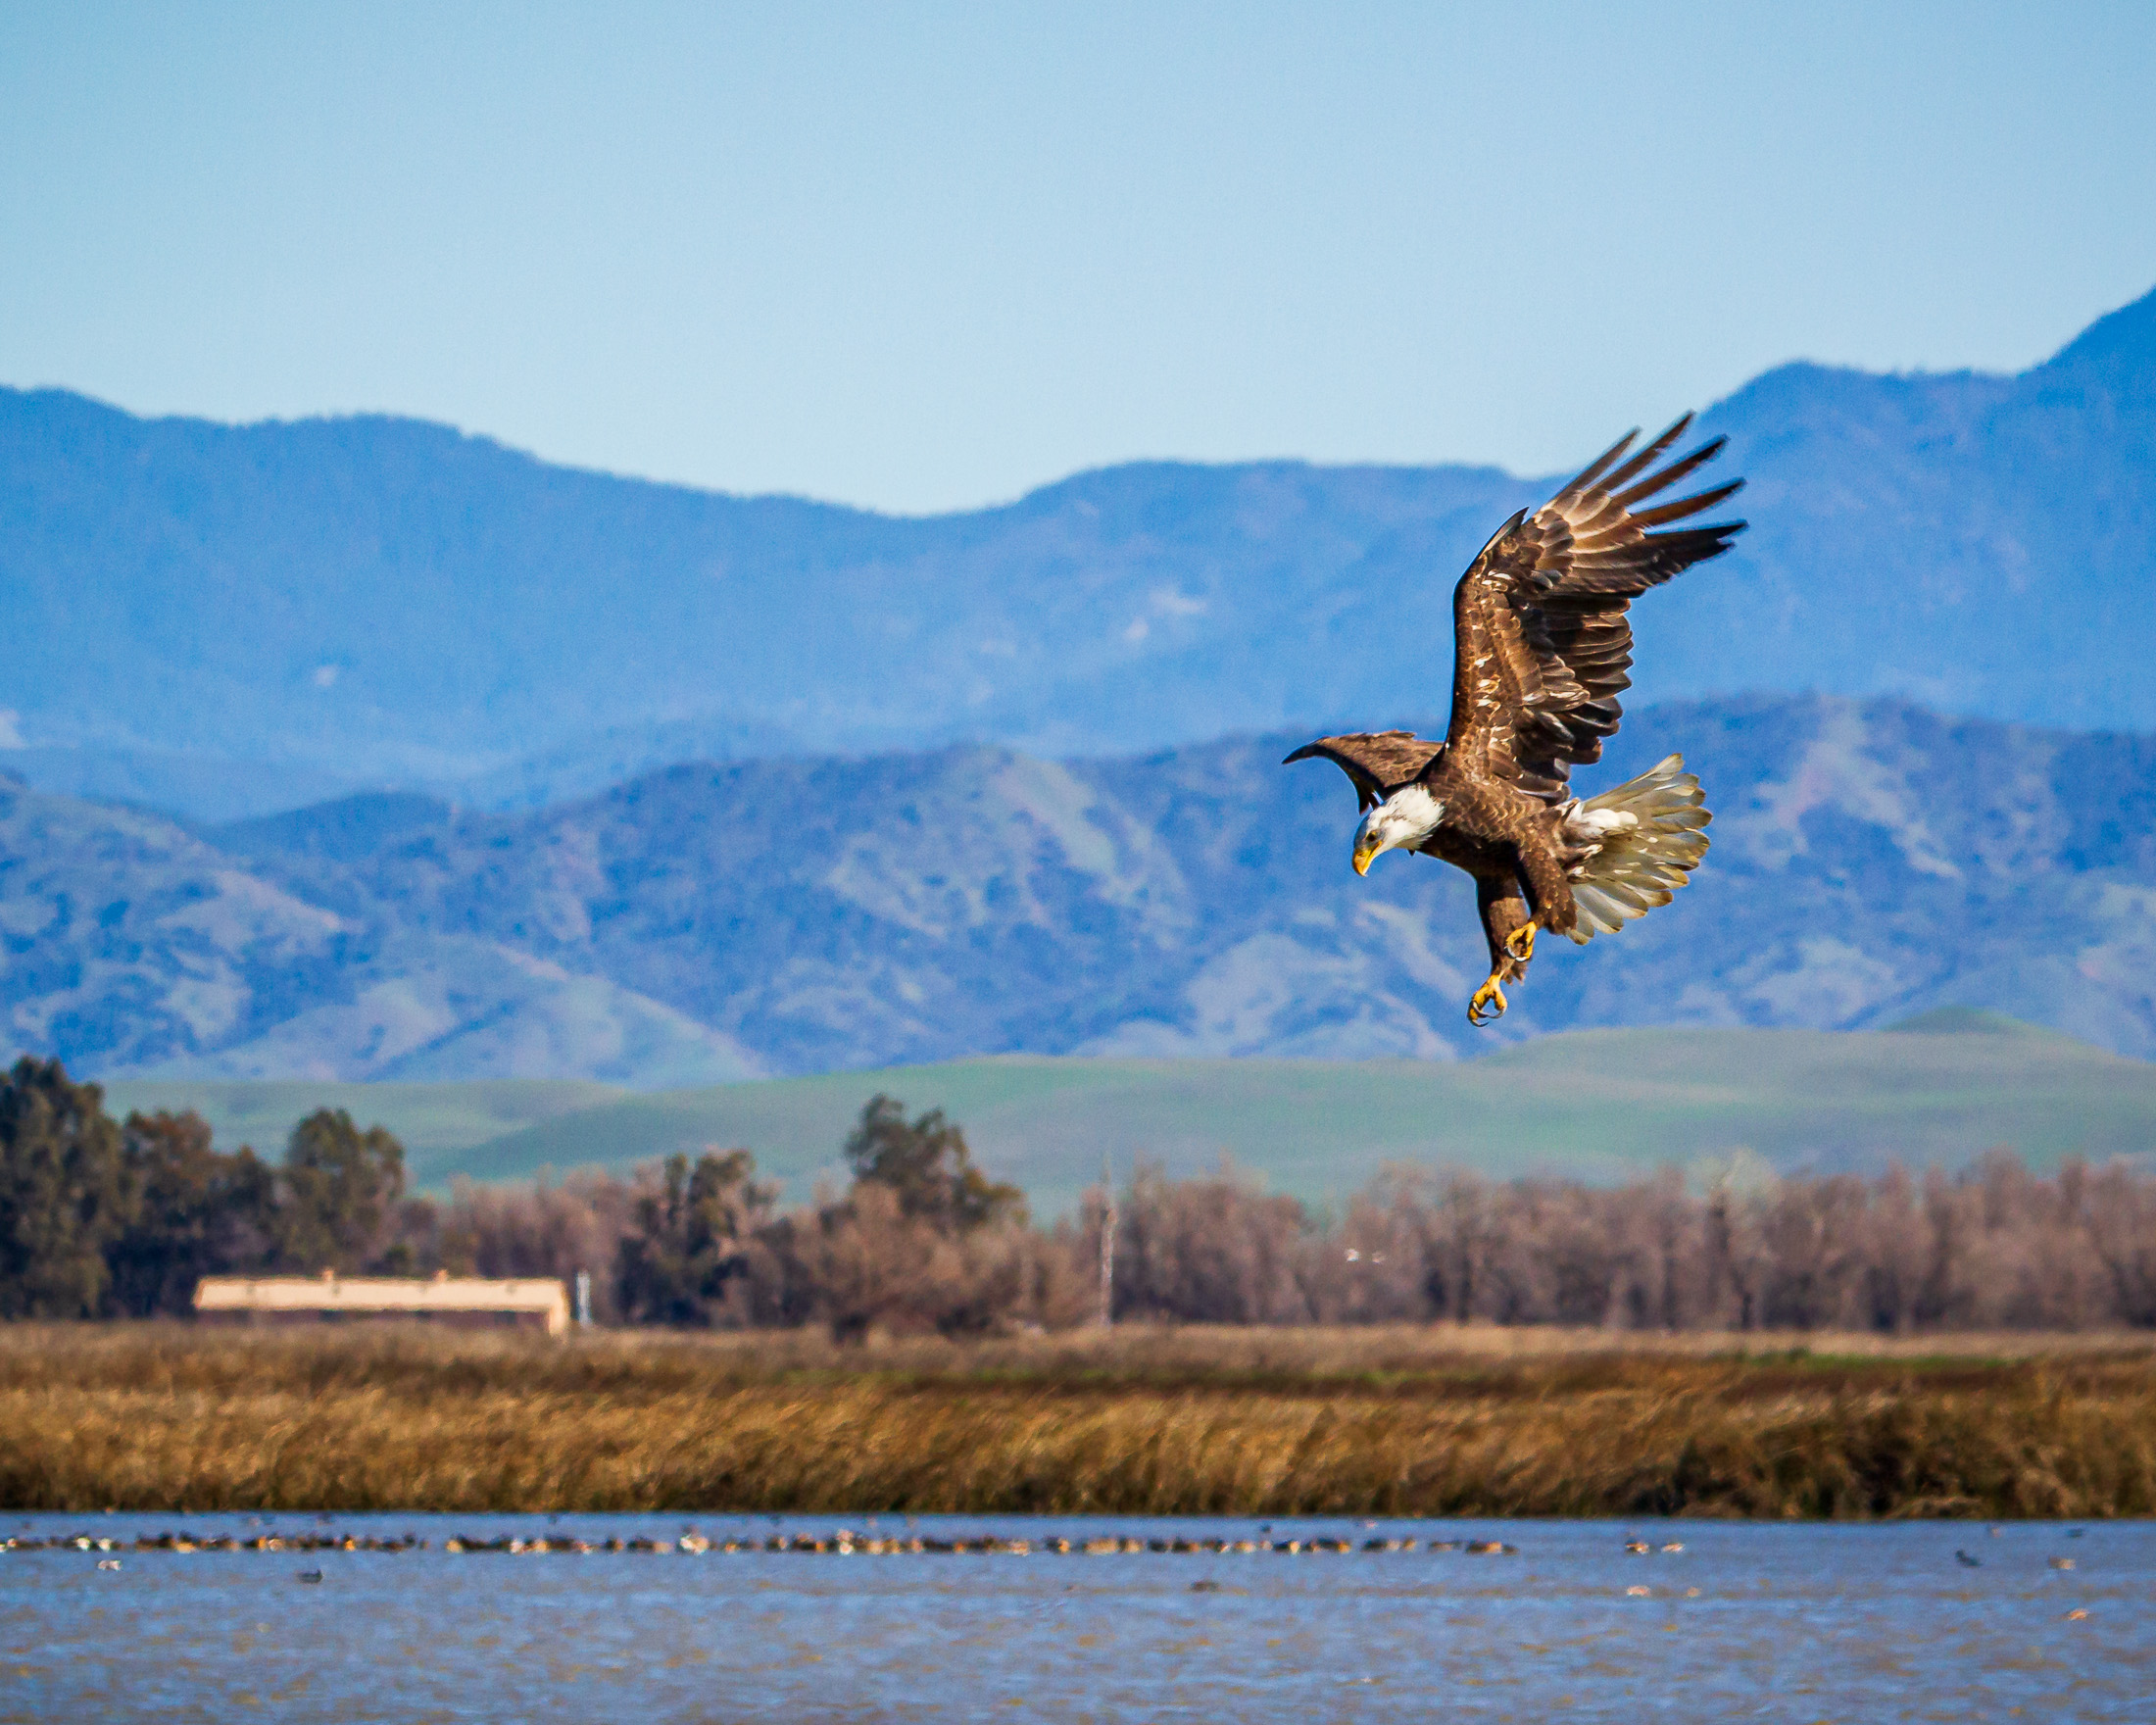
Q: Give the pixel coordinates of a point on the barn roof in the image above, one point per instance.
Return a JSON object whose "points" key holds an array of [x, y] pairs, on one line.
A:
{"points": [[383, 1296]]}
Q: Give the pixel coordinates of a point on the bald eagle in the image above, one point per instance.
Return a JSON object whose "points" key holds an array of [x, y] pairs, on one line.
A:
{"points": [[1542, 651]]}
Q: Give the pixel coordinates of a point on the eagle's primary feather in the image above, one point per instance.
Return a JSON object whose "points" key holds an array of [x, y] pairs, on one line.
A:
{"points": [[1543, 650]]}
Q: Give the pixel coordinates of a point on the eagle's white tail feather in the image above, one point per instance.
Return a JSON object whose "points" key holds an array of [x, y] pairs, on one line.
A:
{"points": [[1647, 837]]}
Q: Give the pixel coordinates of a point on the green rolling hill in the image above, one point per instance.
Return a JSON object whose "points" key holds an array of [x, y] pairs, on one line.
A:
{"points": [[1598, 1105], [434, 1121]]}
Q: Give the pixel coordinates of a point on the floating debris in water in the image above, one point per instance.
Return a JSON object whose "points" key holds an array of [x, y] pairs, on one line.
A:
{"points": [[1965, 1560], [843, 1543], [2062, 1563], [187, 1542], [311, 1576]]}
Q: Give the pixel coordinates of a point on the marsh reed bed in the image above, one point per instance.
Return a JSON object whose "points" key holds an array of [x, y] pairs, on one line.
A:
{"points": [[1408, 1420]]}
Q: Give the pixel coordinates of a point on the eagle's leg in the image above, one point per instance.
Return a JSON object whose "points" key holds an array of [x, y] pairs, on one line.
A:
{"points": [[1486, 994], [1503, 908], [1551, 893]]}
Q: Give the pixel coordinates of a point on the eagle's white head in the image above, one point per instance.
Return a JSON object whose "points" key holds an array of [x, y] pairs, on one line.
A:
{"points": [[1407, 816]]}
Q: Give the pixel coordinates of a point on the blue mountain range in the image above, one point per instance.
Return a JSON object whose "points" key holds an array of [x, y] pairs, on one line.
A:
{"points": [[364, 749], [719, 920], [227, 620]]}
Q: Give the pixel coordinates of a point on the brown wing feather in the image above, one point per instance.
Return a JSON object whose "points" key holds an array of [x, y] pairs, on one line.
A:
{"points": [[1544, 644], [1378, 762]]}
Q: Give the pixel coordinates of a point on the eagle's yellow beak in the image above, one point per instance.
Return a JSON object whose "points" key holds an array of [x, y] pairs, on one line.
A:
{"points": [[1365, 852]]}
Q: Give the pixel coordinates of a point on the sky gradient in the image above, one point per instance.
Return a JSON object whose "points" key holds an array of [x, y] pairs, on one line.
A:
{"points": [[926, 257]]}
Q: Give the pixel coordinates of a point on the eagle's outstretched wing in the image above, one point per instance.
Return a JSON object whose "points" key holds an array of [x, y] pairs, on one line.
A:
{"points": [[1378, 762], [1543, 645]]}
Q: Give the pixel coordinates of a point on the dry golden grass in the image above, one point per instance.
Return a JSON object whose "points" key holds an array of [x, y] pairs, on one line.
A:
{"points": [[1401, 1421]]}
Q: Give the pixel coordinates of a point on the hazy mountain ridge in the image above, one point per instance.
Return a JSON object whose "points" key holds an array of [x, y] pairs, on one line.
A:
{"points": [[706, 922], [130, 942], [385, 601]]}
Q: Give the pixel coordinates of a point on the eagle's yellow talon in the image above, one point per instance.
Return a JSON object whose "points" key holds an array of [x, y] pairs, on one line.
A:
{"points": [[1484, 997], [1520, 943]]}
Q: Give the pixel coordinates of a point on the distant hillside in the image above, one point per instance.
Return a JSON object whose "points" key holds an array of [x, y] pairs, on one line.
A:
{"points": [[369, 600], [435, 1123], [127, 941], [712, 923], [1600, 1106]]}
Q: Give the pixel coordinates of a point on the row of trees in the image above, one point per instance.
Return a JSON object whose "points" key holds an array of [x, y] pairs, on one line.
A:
{"points": [[98, 1217], [106, 1218]]}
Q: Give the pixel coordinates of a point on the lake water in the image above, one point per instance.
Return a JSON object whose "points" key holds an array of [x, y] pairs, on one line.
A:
{"points": [[1780, 1622]]}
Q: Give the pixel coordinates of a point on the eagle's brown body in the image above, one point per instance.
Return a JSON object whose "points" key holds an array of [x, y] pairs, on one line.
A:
{"points": [[1543, 649]]}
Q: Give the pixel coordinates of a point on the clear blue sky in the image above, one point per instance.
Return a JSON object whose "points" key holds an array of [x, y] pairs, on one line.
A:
{"points": [[925, 257]]}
